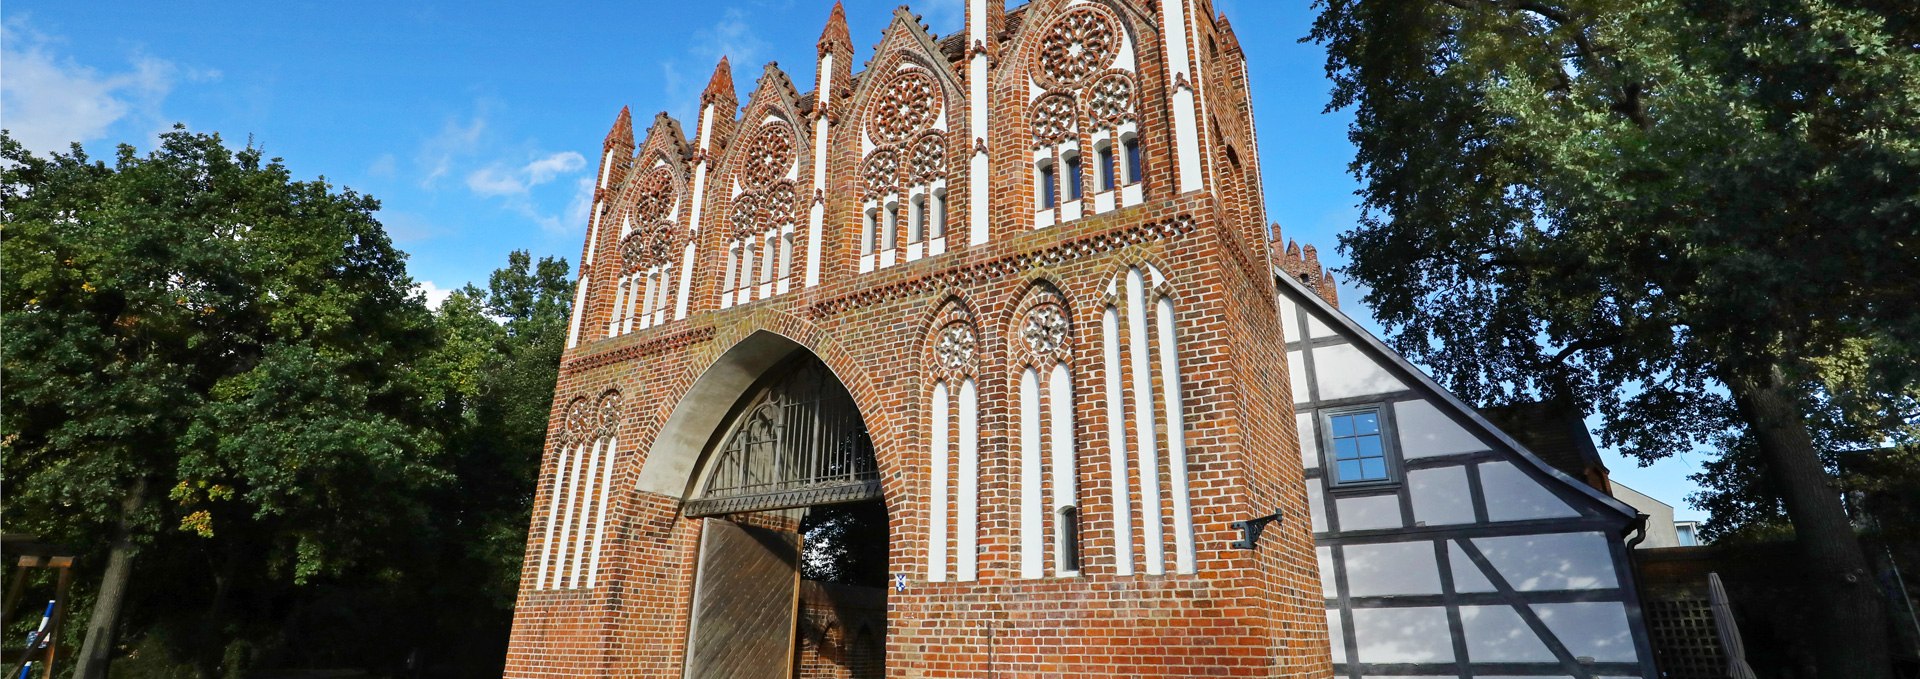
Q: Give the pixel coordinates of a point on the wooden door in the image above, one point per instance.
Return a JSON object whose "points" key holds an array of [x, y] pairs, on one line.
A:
{"points": [[745, 597]]}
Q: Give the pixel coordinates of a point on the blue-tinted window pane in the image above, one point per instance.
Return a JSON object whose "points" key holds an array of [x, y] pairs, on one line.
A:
{"points": [[1134, 171], [1350, 470], [1369, 446], [1343, 425], [1367, 423], [1373, 469], [1073, 178], [1345, 449]]}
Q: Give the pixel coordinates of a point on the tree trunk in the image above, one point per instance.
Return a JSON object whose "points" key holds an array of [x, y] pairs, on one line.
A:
{"points": [[1850, 632], [97, 650]]}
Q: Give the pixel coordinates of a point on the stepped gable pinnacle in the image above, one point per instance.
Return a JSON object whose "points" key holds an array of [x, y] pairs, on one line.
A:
{"points": [[835, 37], [720, 87], [1303, 264], [622, 132]]}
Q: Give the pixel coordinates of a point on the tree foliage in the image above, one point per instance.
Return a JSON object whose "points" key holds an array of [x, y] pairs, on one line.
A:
{"points": [[1702, 216], [231, 367]]}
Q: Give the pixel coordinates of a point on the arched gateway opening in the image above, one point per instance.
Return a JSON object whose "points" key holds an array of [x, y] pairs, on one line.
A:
{"points": [[793, 540]]}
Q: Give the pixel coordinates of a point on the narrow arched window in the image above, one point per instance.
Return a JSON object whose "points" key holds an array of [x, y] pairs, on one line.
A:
{"points": [[1134, 170], [1049, 189], [940, 213], [1104, 156], [1074, 174]]}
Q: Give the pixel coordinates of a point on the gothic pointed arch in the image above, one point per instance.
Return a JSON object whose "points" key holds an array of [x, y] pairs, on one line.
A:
{"points": [[580, 494], [952, 352], [763, 193], [1076, 69], [908, 106], [650, 211]]}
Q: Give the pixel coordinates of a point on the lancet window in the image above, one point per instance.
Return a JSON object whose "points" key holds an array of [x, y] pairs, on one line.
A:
{"points": [[953, 486], [1086, 140], [1146, 424], [649, 238], [578, 495], [762, 222], [904, 171], [1048, 513]]}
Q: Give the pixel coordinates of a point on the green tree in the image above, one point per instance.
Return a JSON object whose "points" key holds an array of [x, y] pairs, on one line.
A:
{"points": [[1701, 215], [211, 362]]}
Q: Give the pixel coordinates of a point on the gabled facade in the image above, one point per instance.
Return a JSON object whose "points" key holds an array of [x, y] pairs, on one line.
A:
{"points": [[1445, 548], [1012, 288]]}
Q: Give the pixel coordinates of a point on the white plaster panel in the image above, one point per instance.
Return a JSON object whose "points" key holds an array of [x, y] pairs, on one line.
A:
{"points": [[1498, 634], [1337, 635], [1440, 496], [1594, 629], [1512, 495], [1392, 568], [1427, 432], [1402, 635], [1327, 585], [1467, 577], [1533, 563], [1297, 373], [1368, 512], [1317, 506], [1317, 329], [1289, 319], [1345, 372], [1309, 440]]}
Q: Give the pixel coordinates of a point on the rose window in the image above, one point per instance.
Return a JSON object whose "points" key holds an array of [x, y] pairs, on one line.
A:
{"points": [[1079, 45], [780, 200], [1053, 119], [882, 172], [954, 349], [1045, 330], [1111, 100], [909, 104], [929, 158], [653, 197], [746, 212], [770, 155]]}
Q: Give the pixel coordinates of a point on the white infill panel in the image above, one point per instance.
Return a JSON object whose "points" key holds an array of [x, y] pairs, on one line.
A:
{"points": [[1309, 440], [572, 507], [967, 567], [1145, 436], [1440, 496], [553, 518], [586, 514], [1317, 506], [1403, 635], [1297, 376], [1499, 634], [1343, 371], [1289, 319], [1327, 569], [937, 498], [1467, 578], [1368, 512], [1062, 472], [1337, 635], [1391, 569], [1117, 445], [1425, 431], [1594, 629], [1174, 406], [1032, 522], [1512, 495], [1553, 561], [600, 528]]}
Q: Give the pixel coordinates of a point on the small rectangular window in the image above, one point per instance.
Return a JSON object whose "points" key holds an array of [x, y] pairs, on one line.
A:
{"points": [[939, 214], [1107, 173], [893, 226], [1358, 441], [1049, 196], [1073, 177], [1134, 171], [871, 239], [919, 231], [1070, 539]]}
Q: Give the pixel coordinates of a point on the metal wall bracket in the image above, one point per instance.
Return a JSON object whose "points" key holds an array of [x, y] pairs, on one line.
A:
{"points": [[1250, 529]]}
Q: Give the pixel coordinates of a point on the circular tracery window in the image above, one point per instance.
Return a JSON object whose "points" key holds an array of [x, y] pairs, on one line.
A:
{"points": [[770, 156], [910, 103], [1077, 46], [653, 196]]}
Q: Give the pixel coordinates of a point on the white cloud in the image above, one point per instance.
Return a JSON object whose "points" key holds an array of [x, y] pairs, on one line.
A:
{"points": [[434, 293], [497, 180], [383, 167], [51, 101], [454, 141], [732, 37]]}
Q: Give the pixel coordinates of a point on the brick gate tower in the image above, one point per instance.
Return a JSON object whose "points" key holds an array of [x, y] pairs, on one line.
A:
{"points": [[1009, 285]]}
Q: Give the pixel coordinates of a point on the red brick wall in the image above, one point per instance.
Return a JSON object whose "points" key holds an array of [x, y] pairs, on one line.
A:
{"points": [[1244, 613]]}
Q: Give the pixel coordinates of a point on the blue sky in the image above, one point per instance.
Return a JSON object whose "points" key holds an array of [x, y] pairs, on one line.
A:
{"points": [[476, 123]]}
